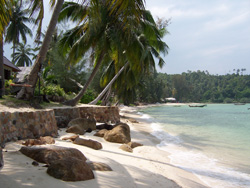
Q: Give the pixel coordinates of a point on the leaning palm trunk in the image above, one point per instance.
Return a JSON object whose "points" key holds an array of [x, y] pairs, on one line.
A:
{"points": [[105, 99], [75, 100], [109, 85], [2, 89], [28, 92]]}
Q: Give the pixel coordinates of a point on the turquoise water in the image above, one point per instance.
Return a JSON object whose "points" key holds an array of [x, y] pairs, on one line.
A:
{"points": [[213, 142]]}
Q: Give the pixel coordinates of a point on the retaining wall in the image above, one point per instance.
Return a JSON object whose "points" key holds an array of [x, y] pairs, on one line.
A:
{"points": [[33, 124], [21, 125]]}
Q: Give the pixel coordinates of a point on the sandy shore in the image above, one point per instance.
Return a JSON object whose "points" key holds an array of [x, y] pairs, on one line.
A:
{"points": [[146, 167]]}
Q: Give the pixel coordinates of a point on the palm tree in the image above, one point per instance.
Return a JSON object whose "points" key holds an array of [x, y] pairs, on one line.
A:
{"points": [[4, 15], [126, 7], [147, 46], [28, 92], [22, 56], [17, 25], [101, 30]]}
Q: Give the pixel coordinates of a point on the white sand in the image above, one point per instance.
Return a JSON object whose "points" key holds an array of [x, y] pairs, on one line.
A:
{"points": [[146, 167]]}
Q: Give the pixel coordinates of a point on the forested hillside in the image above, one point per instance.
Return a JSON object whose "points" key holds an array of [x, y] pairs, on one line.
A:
{"points": [[197, 86]]}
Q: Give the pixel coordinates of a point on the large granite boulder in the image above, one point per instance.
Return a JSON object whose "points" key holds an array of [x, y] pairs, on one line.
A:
{"points": [[70, 169], [89, 143], [80, 125], [68, 164], [1, 158], [119, 134], [50, 153]]}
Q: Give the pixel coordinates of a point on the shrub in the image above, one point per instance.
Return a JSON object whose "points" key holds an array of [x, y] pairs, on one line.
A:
{"points": [[88, 97], [52, 89]]}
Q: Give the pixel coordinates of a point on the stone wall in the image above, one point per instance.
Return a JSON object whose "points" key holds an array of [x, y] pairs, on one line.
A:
{"points": [[32, 124], [102, 114]]}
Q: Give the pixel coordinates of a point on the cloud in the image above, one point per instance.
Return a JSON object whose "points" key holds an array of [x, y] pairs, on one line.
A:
{"points": [[220, 23], [218, 51]]}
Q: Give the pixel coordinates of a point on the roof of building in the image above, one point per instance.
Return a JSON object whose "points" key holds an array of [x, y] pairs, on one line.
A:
{"points": [[7, 63]]}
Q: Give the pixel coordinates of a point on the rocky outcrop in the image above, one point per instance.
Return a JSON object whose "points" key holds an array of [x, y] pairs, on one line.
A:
{"points": [[67, 164], [70, 169], [119, 134], [99, 166], [88, 143], [39, 141]]}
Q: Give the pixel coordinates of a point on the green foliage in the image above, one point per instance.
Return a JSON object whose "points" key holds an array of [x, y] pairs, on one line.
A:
{"points": [[52, 89], [89, 96]]}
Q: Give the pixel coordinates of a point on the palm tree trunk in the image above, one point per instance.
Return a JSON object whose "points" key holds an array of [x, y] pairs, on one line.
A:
{"points": [[75, 100], [2, 88], [105, 99], [109, 85], [28, 92]]}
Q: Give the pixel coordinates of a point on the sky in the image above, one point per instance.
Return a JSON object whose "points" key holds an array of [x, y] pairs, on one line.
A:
{"points": [[203, 35], [211, 35]]}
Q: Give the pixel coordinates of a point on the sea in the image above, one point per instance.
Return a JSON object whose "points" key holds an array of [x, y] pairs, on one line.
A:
{"points": [[212, 142]]}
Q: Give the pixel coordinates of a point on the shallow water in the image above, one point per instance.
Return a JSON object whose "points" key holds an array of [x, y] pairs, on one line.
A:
{"points": [[213, 142]]}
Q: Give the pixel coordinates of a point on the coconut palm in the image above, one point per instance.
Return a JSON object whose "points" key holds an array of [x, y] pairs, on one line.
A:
{"points": [[99, 29], [17, 25], [145, 48], [22, 55], [28, 92], [126, 7]]}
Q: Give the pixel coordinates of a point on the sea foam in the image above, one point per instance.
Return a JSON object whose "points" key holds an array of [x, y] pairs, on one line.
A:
{"points": [[205, 168]]}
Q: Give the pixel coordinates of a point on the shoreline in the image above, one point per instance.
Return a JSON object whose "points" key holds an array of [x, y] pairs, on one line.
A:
{"points": [[180, 176], [147, 166]]}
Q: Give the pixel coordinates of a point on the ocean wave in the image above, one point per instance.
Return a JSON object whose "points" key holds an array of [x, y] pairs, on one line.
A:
{"points": [[205, 168]]}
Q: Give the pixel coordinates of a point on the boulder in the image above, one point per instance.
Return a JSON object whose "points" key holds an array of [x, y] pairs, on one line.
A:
{"points": [[48, 154], [104, 126], [76, 129], [126, 147], [1, 158], [119, 134], [70, 169], [99, 166], [72, 138], [134, 144], [89, 143], [101, 133], [85, 123], [39, 141]]}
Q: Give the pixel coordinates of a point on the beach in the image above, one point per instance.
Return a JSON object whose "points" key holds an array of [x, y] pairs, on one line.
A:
{"points": [[146, 166]]}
